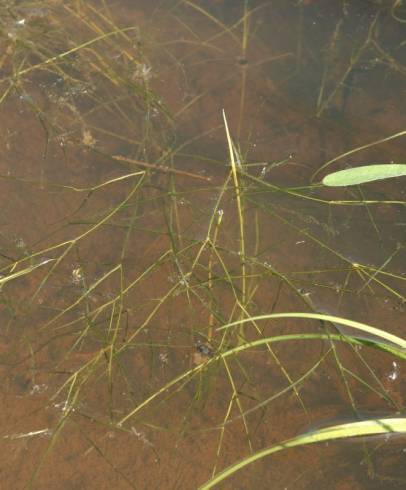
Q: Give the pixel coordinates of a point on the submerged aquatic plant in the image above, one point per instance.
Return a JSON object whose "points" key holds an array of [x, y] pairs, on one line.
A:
{"points": [[342, 431], [164, 320]]}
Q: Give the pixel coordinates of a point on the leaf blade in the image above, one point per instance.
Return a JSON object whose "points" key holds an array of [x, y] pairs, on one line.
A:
{"points": [[364, 174], [341, 431]]}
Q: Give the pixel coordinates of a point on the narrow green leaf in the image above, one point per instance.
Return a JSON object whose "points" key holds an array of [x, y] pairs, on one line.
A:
{"points": [[23, 272], [366, 173], [341, 431], [361, 330]]}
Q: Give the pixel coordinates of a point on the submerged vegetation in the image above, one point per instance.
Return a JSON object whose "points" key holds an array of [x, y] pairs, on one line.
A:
{"points": [[180, 292]]}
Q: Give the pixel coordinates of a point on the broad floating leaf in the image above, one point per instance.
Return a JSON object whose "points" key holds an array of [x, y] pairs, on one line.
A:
{"points": [[366, 173]]}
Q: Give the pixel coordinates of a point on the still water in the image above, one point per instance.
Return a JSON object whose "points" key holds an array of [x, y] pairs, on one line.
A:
{"points": [[126, 241]]}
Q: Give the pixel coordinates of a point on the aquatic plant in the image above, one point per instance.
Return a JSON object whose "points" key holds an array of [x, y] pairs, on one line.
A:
{"points": [[363, 174], [171, 282]]}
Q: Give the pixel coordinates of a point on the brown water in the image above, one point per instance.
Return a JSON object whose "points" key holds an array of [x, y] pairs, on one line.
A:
{"points": [[92, 339]]}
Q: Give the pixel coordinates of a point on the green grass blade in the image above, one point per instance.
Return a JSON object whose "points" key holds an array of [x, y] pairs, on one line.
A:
{"points": [[366, 173], [23, 272], [360, 329], [341, 431]]}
